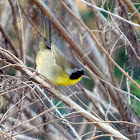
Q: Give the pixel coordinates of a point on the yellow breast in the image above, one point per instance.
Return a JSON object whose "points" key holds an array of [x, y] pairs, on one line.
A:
{"points": [[54, 73]]}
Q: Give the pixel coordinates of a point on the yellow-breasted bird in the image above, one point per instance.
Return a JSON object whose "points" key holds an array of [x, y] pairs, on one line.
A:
{"points": [[54, 65]]}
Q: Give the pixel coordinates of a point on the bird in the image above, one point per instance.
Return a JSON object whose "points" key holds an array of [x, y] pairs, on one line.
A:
{"points": [[53, 64]]}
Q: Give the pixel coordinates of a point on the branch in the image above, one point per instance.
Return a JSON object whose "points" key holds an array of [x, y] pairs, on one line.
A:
{"points": [[6, 36], [22, 30], [132, 9], [91, 118], [16, 28], [119, 17], [76, 47]]}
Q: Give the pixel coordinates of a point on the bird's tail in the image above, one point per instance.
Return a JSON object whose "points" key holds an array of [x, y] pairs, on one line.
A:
{"points": [[46, 42]]}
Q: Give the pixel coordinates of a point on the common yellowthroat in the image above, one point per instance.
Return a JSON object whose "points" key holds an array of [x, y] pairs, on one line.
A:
{"points": [[54, 65]]}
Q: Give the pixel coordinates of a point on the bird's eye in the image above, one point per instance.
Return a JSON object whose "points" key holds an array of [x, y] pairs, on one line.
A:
{"points": [[76, 74]]}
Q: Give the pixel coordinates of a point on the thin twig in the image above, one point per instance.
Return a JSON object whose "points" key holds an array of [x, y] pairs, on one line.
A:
{"points": [[91, 118], [117, 16], [22, 30], [99, 44], [133, 9], [33, 25], [16, 28]]}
